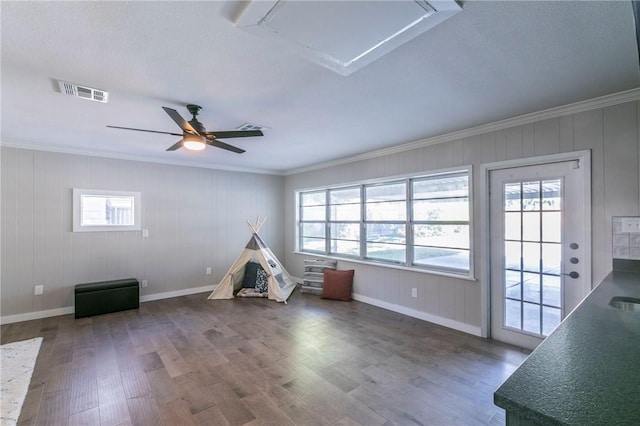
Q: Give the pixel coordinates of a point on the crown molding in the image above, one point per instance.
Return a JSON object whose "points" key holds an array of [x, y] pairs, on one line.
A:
{"points": [[102, 154], [570, 109]]}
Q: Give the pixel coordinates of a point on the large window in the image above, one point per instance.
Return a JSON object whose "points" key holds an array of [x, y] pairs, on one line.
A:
{"points": [[418, 222]]}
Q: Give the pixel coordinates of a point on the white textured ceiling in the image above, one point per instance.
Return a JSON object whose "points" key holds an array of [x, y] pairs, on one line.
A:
{"points": [[492, 61]]}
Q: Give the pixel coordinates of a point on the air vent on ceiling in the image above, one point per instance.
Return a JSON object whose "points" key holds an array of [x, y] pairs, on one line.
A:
{"points": [[249, 126], [83, 92]]}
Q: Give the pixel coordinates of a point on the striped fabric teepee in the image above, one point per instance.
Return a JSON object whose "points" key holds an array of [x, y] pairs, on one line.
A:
{"points": [[280, 283]]}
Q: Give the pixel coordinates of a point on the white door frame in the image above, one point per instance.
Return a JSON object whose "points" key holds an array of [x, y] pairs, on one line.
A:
{"points": [[485, 241]]}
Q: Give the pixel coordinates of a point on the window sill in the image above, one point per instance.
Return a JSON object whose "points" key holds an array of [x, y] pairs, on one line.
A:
{"points": [[466, 277]]}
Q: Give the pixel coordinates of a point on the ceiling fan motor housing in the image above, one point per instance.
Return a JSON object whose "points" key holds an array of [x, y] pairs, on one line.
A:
{"points": [[194, 110]]}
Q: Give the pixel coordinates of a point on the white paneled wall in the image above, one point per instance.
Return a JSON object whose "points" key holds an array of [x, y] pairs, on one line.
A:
{"points": [[612, 135], [196, 218]]}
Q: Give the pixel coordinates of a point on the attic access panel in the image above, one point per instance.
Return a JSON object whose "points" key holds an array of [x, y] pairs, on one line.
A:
{"points": [[344, 36]]}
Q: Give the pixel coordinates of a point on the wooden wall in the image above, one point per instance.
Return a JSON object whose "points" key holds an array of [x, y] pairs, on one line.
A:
{"points": [[610, 133], [196, 218]]}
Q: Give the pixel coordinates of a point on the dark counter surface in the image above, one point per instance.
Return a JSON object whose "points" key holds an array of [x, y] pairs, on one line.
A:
{"points": [[587, 372]]}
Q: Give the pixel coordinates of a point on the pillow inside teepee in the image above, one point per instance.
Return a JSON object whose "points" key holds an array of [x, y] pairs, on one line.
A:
{"points": [[251, 274]]}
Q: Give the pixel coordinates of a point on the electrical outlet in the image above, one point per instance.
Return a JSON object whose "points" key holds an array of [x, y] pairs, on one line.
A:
{"points": [[414, 292], [38, 290], [208, 270], [145, 233], [631, 224], [145, 283]]}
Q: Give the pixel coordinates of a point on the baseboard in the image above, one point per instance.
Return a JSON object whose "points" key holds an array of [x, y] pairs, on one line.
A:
{"points": [[446, 322], [9, 319], [176, 293]]}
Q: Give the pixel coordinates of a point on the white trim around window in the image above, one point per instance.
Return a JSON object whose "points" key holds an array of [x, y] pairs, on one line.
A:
{"points": [[97, 210], [419, 222]]}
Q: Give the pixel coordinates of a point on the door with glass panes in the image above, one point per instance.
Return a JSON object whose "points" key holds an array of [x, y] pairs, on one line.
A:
{"points": [[539, 271]]}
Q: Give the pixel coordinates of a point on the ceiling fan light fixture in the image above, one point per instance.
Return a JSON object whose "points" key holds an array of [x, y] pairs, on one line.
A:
{"points": [[194, 142]]}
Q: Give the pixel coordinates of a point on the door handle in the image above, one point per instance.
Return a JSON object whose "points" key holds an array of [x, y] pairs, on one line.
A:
{"points": [[572, 274]]}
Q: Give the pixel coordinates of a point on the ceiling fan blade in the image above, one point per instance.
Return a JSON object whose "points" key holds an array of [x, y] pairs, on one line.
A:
{"points": [[176, 145], [184, 124], [143, 130], [234, 134], [223, 145]]}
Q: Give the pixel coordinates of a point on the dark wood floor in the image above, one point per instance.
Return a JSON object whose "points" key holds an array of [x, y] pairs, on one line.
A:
{"points": [[187, 360]]}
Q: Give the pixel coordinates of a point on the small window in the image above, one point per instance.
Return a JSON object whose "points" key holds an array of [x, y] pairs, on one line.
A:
{"points": [[101, 210]]}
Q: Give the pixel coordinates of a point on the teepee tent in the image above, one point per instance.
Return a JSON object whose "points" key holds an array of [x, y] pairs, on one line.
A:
{"points": [[279, 283]]}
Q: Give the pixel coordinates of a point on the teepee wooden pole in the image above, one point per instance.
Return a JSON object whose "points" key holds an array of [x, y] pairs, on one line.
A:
{"points": [[259, 223]]}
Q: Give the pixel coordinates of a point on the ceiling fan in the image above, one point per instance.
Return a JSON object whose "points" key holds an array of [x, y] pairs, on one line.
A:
{"points": [[195, 136]]}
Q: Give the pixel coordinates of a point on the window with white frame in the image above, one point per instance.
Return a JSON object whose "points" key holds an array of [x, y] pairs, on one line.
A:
{"points": [[420, 222], [344, 221], [103, 210]]}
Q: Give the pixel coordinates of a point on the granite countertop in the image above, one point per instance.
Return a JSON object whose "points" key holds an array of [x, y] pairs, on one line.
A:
{"points": [[588, 370]]}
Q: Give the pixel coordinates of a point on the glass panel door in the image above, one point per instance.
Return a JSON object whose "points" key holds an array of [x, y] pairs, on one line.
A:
{"points": [[537, 243]]}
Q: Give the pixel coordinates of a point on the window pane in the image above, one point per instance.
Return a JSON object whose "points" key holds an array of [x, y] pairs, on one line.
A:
{"points": [[452, 209], [551, 290], [313, 230], [531, 287], [387, 192], [531, 257], [344, 204], [512, 284], [349, 248], [386, 241], [513, 313], [345, 231], [345, 212], [386, 232], [344, 195], [550, 319], [313, 198], [395, 210], [531, 317], [385, 251], [551, 194], [512, 255], [531, 226], [531, 195], [552, 227], [512, 195], [441, 257], [551, 258], [453, 236], [313, 244], [313, 213], [441, 187], [512, 226], [101, 210]]}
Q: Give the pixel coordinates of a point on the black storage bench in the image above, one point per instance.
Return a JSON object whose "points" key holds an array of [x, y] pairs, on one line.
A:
{"points": [[106, 296]]}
